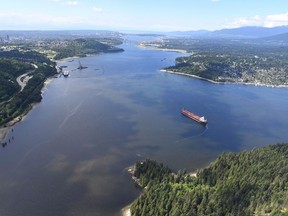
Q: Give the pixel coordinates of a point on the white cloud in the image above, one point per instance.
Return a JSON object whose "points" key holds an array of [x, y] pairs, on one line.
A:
{"points": [[96, 9], [266, 21], [276, 20], [33, 21], [246, 21], [215, 0], [72, 3]]}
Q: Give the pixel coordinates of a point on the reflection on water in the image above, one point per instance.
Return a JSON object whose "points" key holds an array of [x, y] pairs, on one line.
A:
{"points": [[68, 157]]}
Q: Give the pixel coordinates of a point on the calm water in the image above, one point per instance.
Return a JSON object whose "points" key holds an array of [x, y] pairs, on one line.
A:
{"points": [[68, 157]]}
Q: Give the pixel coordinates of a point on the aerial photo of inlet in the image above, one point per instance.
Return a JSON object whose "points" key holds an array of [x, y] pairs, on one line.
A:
{"points": [[144, 108]]}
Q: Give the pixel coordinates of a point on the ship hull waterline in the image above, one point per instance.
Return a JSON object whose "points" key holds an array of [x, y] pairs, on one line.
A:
{"points": [[194, 117]]}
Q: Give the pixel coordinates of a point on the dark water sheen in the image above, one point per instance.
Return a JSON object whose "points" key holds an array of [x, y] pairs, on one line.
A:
{"points": [[68, 157]]}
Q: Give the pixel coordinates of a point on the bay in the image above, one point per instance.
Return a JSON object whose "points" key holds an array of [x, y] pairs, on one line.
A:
{"points": [[70, 153]]}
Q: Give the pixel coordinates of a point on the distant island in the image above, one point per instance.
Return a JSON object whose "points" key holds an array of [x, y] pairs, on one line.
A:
{"points": [[247, 183], [239, 61]]}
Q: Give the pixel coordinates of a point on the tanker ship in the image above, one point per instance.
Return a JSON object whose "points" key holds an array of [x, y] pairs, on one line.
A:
{"points": [[194, 117]]}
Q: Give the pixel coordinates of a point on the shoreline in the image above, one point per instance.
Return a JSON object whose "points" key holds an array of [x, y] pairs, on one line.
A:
{"points": [[151, 47], [143, 46], [5, 128], [225, 83], [67, 59], [126, 211], [8, 126]]}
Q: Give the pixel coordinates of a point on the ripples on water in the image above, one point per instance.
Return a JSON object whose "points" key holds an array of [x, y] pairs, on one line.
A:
{"points": [[68, 157]]}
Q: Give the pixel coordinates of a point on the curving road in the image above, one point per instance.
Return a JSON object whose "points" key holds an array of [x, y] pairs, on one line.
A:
{"points": [[24, 78], [23, 82]]}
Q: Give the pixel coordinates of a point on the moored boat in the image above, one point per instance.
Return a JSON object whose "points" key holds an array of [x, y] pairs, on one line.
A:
{"points": [[194, 117], [65, 73]]}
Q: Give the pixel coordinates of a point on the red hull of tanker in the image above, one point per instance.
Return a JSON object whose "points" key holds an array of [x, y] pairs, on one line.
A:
{"points": [[194, 117]]}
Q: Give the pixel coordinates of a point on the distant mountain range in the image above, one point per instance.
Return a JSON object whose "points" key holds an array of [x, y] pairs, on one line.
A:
{"points": [[279, 32], [252, 31], [278, 38]]}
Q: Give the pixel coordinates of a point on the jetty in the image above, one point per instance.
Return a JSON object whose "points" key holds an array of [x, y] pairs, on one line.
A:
{"points": [[80, 67]]}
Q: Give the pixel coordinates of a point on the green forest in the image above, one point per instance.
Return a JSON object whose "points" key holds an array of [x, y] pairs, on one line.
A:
{"points": [[14, 102], [82, 47], [236, 184], [27, 56], [9, 71]]}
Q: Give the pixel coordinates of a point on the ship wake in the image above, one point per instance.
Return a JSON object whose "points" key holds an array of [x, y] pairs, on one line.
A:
{"points": [[194, 136]]}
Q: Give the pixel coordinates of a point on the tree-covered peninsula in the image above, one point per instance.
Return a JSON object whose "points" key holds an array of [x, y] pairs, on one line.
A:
{"points": [[82, 47], [248, 183]]}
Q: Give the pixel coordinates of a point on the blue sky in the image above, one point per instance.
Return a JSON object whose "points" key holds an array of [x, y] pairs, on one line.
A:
{"points": [[143, 15]]}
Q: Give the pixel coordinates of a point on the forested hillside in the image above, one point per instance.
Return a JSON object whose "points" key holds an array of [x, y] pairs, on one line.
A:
{"points": [[82, 47], [247, 183], [9, 71], [14, 102]]}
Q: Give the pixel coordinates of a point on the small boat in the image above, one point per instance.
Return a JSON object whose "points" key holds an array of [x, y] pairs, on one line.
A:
{"points": [[194, 117], [65, 73]]}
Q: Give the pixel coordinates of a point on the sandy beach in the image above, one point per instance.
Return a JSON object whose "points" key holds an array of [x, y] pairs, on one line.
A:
{"points": [[3, 132], [126, 211], [67, 59], [151, 47], [5, 129]]}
